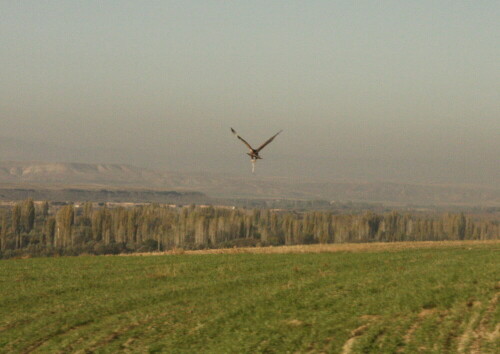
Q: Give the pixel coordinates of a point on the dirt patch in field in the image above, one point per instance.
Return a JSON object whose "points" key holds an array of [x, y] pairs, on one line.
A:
{"points": [[356, 333], [347, 347], [466, 337], [329, 248], [294, 323], [482, 334], [420, 318]]}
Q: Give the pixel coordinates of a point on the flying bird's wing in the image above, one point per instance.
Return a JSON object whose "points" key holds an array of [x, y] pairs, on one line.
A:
{"points": [[268, 141], [239, 137]]}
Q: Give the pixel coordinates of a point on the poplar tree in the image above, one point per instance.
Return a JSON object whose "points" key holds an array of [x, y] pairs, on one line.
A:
{"points": [[50, 231], [65, 222], [3, 233], [45, 209], [28, 215], [16, 224]]}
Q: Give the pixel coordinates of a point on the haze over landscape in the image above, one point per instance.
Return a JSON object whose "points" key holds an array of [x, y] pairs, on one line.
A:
{"points": [[131, 217], [365, 91]]}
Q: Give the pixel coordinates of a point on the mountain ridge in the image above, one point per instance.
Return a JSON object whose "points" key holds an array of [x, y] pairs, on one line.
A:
{"points": [[85, 175]]}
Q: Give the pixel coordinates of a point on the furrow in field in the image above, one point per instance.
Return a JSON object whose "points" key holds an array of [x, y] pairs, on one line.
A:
{"points": [[110, 328], [347, 347], [482, 334]]}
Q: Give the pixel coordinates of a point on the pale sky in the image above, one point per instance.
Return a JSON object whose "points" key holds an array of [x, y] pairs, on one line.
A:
{"points": [[370, 90]]}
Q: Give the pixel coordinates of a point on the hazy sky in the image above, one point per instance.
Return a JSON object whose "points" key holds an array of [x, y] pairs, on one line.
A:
{"points": [[394, 90]]}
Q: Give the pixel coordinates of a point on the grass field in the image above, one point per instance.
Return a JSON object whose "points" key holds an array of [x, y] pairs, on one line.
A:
{"points": [[387, 299]]}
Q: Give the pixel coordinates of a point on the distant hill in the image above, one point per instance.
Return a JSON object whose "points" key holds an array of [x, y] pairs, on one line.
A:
{"points": [[76, 173], [94, 182], [125, 177]]}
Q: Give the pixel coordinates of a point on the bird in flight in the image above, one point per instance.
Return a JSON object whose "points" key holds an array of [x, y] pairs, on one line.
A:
{"points": [[254, 153]]}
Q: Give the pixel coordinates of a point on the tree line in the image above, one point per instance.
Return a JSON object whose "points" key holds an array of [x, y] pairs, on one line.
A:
{"points": [[43, 229]]}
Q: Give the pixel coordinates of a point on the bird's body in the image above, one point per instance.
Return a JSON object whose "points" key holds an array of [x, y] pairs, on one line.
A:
{"points": [[254, 153]]}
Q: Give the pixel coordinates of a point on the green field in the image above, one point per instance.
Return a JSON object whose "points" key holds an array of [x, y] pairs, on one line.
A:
{"points": [[409, 300]]}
